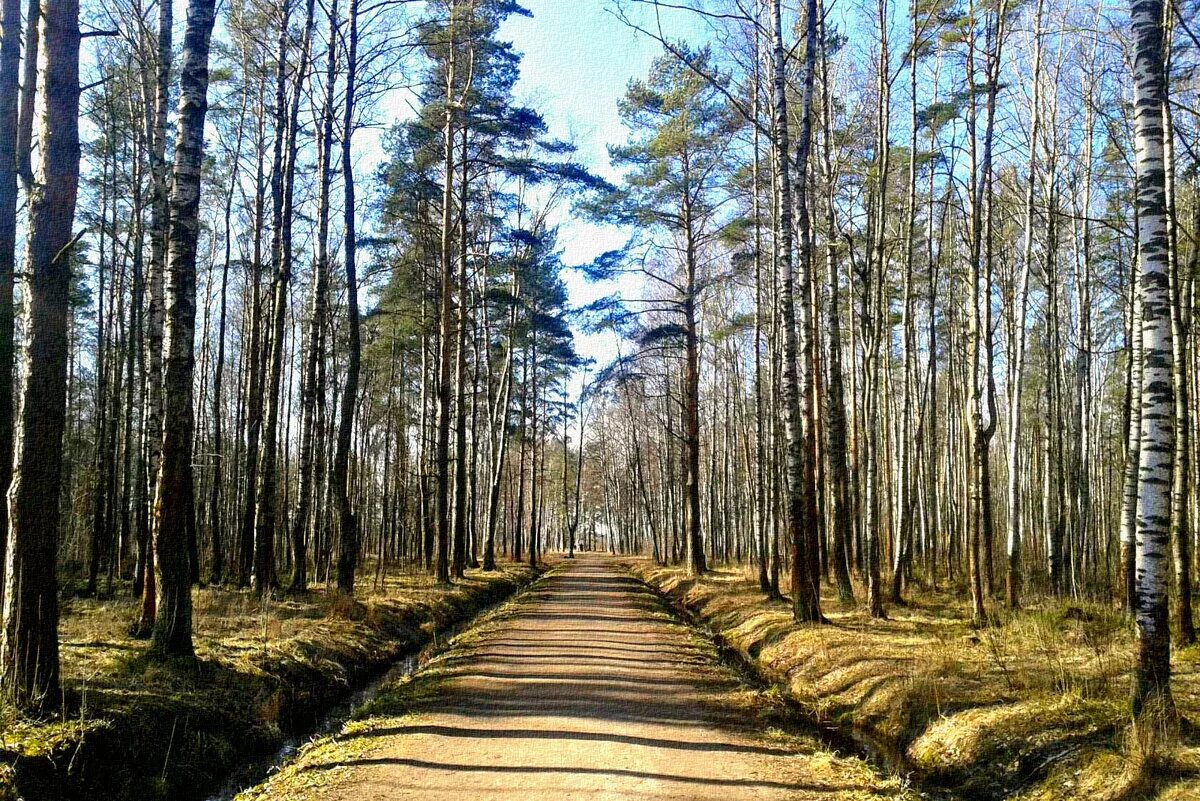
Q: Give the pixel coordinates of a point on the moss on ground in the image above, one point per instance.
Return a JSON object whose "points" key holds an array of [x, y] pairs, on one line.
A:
{"points": [[1033, 707], [137, 728]]}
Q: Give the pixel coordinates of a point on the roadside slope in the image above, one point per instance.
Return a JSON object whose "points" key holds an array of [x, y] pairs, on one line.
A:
{"points": [[1035, 707], [584, 688], [140, 729]]}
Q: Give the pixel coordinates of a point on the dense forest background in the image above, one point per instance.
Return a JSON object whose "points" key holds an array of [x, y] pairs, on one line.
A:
{"points": [[905, 304]]}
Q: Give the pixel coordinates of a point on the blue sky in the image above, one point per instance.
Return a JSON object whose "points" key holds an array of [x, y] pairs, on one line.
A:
{"points": [[578, 60]]}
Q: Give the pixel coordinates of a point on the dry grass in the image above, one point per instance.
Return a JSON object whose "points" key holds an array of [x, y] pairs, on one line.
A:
{"points": [[1034, 706], [325, 769], [134, 727]]}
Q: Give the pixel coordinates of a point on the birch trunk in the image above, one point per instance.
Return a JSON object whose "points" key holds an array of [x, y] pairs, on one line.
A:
{"points": [[173, 624], [1151, 684], [805, 594]]}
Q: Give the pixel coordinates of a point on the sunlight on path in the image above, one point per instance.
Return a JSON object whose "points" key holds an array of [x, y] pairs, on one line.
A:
{"points": [[588, 690]]}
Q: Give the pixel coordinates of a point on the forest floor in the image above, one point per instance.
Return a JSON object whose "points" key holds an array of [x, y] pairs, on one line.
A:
{"points": [[586, 686], [1034, 706], [134, 727]]}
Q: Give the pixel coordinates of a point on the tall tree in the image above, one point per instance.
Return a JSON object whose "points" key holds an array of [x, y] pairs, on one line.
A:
{"points": [[677, 159], [173, 624], [340, 476], [10, 67], [1156, 451], [312, 391], [797, 411], [1017, 327], [29, 664]]}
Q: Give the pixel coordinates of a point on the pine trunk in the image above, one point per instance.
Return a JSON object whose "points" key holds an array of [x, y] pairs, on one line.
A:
{"points": [[29, 664]]}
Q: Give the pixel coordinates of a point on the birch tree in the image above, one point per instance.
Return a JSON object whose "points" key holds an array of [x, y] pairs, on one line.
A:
{"points": [[1156, 450], [173, 623]]}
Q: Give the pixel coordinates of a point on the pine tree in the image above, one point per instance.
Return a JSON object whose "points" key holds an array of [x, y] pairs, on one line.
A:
{"points": [[29, 664], [676, 161]]}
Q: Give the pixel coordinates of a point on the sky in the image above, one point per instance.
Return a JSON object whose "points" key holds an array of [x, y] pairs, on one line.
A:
{"points": [[578, 60]]}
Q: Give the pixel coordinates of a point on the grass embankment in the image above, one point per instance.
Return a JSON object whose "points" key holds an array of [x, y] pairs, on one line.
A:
{"points": [[136, 728], [1033, 707], [392, 706], [595, 723]]}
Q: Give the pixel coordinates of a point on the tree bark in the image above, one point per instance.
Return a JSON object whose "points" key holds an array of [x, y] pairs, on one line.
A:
{"points": [[173, 624], [806, 597], [1151, 681], [1016, 356], [340, 477], [691, 398], [29, 664], [159, 222], [1185, 627], [835, 401], [460, 375], [312, 392], [10, 67], [446, 332]]}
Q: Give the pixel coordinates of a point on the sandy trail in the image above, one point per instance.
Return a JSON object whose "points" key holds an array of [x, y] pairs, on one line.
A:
{"points": [[586, 690]]}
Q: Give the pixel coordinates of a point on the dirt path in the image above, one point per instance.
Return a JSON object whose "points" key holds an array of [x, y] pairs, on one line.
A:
{"points": [[587, 689]]}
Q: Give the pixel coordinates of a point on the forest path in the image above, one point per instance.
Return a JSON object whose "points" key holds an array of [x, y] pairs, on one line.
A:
{"points": [[586, 688]]}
